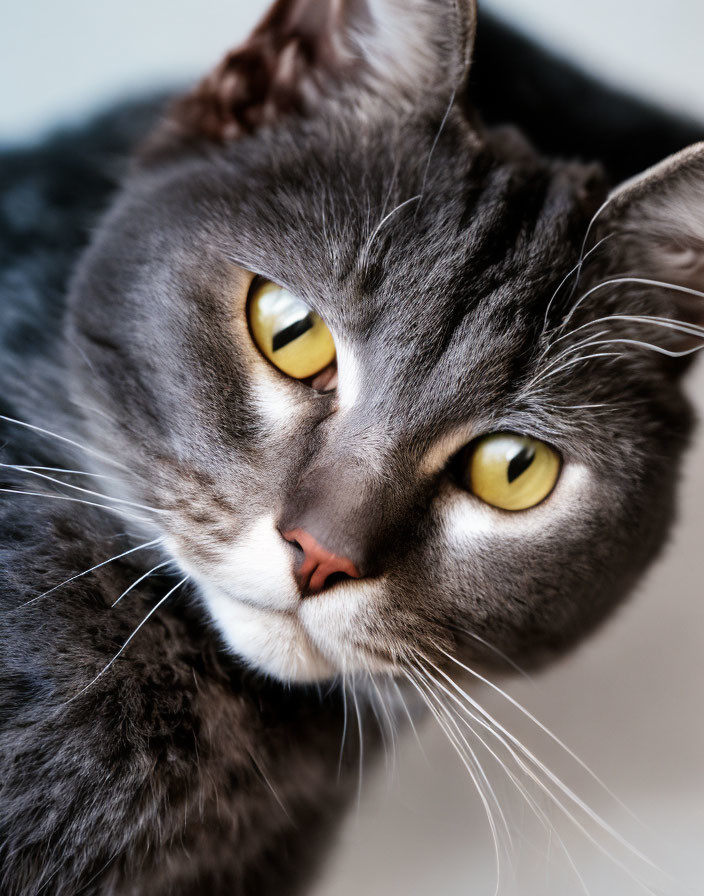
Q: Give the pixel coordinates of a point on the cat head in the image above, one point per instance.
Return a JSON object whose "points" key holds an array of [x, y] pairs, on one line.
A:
{"points": [[398, 385]]}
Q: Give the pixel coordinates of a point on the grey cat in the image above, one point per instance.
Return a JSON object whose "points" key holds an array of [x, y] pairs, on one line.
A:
{"points": [[375, 390]]}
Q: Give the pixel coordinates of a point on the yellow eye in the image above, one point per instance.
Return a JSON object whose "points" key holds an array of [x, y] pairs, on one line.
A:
{"points": [[287, 332], [512, 472]]}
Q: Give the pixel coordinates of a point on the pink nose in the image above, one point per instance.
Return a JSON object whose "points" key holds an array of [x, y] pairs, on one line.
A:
{"points": [[319, 565]]}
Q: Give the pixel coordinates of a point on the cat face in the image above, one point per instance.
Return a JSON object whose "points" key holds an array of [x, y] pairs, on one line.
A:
{"points": [[448, 447]]}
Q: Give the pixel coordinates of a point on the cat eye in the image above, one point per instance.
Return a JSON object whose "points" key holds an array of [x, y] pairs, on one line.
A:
{"points": [[287, 332], [512, 472]]}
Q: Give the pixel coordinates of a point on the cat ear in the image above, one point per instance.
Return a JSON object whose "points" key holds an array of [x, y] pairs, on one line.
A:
{"points": [[305, 51], [656, 221]]}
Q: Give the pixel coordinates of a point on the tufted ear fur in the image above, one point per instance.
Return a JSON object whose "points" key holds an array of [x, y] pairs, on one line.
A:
{"points": [[305, 51], [657, 222]]}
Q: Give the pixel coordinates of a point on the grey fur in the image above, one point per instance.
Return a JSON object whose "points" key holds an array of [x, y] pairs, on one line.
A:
{"points": [[179, 770]]}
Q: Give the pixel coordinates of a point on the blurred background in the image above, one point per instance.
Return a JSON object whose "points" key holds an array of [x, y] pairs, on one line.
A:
{"points": [[630, 702]]}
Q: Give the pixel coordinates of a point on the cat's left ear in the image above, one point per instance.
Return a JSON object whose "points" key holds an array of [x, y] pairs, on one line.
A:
{"points": [[307, 51], [655, 224]]}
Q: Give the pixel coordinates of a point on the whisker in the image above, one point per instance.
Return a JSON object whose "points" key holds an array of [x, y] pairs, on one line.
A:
{"points": [[388, 705], [585, 342], [389, 725], [580, 407], [344, 727], [79, 575], [361, 743], [392, 184], [410, 720], [435, 143], [546, 790], [557, 782], [664, 322], [381, 727], [499, 653], [643, 281], [85, 491], [62, 470], [257, 765], [116, 510], [540, 814], [576, 268], [582, 255], [446, 709], [472, 774], [550, 734], [377, 229], [577, 361], [47, 432], [619, 341], [124, 646], [139, 580]]}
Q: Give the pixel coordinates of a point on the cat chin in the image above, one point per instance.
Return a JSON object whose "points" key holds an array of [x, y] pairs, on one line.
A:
{"points": [[272, 642], [314, 643]]}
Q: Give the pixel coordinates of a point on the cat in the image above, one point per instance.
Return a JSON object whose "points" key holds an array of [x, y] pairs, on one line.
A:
{"points": [[349, 388]]}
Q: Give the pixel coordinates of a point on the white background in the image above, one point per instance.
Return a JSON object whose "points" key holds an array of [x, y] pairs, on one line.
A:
{"points": [[630, 702]]}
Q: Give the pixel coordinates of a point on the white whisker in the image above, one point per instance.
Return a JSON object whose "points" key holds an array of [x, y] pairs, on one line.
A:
{"points": [[361, 744], [585, 342], [410, 720], [497, 731], [667, 323], [575, 269], [456, 745], [553, 737], [643, 281], [578, 361], [447, 709], [557, 782], [343, 739], [79, 575], [388, 723], [139, 580], [63, 470], [116, 510], [85, 491], [377, 229], [435, 143], [124, 646], [47, 432], [540, 814], [381, 727]]}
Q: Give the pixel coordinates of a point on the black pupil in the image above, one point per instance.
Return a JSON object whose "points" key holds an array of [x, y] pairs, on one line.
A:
{"points": [[520, 462], [291, 332]]}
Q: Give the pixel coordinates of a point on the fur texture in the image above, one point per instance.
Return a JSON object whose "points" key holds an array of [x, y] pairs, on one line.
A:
{"points": [[434, 248]]}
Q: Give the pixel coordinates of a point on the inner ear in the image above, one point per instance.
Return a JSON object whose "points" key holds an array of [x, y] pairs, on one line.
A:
{"points": [[654, 225], [305, 52]]}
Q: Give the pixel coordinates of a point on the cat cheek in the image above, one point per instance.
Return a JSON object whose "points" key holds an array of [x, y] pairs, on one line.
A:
{"points": [[256, 569]]}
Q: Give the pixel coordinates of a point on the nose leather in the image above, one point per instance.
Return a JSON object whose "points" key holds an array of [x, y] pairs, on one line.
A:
{"points": [[318, 563]]}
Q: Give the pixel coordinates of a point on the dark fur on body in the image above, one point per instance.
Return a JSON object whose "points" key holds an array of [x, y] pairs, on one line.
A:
{"points": [[185, 773], [179, 770]]}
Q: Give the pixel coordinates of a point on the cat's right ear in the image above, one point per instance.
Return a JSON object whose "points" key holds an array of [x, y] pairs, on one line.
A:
{"points": [[656, 221], [307, 52], [653, 226]]}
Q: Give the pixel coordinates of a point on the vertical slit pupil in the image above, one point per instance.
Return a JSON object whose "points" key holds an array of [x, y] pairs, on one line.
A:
{"points": [[520, 462]]}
